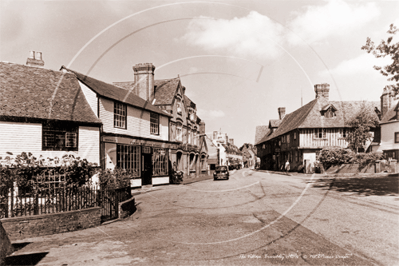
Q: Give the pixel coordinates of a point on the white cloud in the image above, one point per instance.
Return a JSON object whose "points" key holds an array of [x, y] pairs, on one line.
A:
{"points": [[210, 114], [254, 35], [359, 65], [335, 18]]}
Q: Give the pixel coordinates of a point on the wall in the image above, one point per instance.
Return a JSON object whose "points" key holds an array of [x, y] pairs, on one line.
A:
{"points": [[5, 245], [18, 228], [387, 136], [126, 208], [333, 138], [138, 122], [27, 137]]}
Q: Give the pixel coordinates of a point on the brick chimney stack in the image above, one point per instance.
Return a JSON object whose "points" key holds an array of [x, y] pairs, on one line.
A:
{"points": [[322, 91], [281, 113], [35, 59], [144, 80]]}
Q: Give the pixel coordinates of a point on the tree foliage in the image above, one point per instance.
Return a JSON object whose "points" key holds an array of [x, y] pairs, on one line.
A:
{"points": [[361, 126], [387, 48]]}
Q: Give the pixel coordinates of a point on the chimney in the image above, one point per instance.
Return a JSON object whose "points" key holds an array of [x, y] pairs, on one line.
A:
{"points": [[231, 141], [281, 113], [322, 91], [35, 59], [385, 100], [202, 127], [227, 138], [144, 80]]}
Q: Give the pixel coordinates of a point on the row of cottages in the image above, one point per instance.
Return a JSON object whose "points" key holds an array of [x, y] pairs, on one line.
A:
{"points": [[186, 130], [53, 113], [149, 126], [299, 136], [248, 155]]}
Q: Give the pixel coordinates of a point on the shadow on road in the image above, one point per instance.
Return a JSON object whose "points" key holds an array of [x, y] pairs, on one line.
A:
{"points": [[25, 259], [363, 185]]}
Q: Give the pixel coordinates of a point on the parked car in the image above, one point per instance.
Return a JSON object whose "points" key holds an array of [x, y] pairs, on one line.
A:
{"points": [[221, 172]]}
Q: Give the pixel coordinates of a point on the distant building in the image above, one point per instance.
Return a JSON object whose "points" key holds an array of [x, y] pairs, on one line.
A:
{"points": [[299, 136], [389, 124]]}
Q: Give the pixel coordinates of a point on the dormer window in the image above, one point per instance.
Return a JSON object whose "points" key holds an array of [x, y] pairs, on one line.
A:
{"points": [[328, 111]]}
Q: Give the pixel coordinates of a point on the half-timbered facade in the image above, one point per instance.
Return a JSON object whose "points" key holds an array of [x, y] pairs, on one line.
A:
{"points": [[45, 113], [303, 133]]}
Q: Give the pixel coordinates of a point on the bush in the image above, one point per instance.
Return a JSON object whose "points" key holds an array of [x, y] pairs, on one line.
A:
{"points": [[113, 179], [337, 156]]}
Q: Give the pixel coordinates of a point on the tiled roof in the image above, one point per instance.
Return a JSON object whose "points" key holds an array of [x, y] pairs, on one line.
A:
{"points": [[309, 116], [127, 85], [390, 116], [32, 92], [261, 131], [116, 93], [165, 90]]}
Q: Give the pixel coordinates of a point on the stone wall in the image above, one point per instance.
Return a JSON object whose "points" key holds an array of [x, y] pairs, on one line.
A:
{"points": [[38, 225], [5, 245]]}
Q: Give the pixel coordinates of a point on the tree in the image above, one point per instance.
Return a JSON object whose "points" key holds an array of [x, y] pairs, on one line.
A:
{"points": [[386, 48], [361, 124]]}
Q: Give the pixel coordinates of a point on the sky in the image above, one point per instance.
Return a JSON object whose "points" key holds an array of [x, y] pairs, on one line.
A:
{"points": [[239, 60]]}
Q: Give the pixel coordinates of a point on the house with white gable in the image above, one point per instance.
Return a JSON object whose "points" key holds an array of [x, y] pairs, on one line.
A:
{"points": [[135, 133], [45, 113]]}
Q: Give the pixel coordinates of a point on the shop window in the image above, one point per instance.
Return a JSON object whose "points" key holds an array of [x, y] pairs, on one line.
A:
{"points": [[128, 158], [119, 115], [160, 162], [154, 124], [59, 137]]}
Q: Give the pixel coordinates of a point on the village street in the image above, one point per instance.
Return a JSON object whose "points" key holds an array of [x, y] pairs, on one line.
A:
{"points": [[255, 218]]}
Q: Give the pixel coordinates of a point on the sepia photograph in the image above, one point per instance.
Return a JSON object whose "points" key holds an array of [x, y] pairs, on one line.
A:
{"points": [[199, 132]]}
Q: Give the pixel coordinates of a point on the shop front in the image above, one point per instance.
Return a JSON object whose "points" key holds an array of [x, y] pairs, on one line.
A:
{"points": [[147, 160]]}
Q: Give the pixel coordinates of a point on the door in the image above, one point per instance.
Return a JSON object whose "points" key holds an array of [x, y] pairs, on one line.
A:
{"points": [[146, 166]]}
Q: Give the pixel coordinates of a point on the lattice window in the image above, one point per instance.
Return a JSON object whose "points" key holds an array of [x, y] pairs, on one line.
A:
{"points": [[128, 158], [320, 133], [154, 123], [160, 162], [120, 115], [59, 137]]}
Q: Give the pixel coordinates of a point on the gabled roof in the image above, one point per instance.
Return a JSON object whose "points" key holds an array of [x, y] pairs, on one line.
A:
{"points": [[165, 90], [309, 116], [189, 103], [116, 93], [390, 116], [261, 131], [32, 92]]}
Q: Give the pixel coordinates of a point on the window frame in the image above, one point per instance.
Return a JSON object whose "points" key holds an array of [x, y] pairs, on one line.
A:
{"points": [[120, 115], [128, 157], [154, 125], [396, 137], [160, 166], [317, 132], [59, 131]]}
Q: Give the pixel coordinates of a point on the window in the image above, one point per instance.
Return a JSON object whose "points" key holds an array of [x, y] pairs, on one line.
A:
{"points": [[329, 113], [119, 115], [59, 137], [160, 162], [294, 135], [263, 146], [128, 158], [396, 137], [179, 109], [154, 123], [320, 133], [179, 135], [288, 138], [189, 137], [343, 133]]}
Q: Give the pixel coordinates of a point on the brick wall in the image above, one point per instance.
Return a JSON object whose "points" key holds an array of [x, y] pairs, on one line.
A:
{"points": [[127, 208], [38, 225]]}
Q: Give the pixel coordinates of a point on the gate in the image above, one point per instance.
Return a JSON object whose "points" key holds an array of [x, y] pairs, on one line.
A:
{"points": [[109, 200]]}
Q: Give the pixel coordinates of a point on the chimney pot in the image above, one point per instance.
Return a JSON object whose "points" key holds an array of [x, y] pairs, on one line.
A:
{"points": [[35, 59]]}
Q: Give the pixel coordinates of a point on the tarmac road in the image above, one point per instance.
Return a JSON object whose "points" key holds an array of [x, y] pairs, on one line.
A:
{"points": [[255, 218]]}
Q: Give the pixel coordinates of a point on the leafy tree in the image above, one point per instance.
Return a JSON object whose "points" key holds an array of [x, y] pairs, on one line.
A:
{"points": [[387, 48], [361, 125]]}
